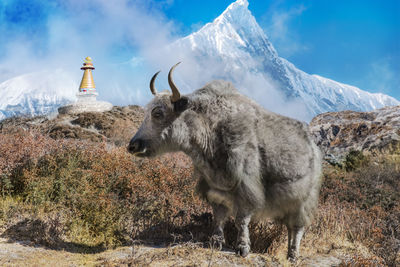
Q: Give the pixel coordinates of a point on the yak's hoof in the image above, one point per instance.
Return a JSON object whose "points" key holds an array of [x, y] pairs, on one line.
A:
{"points": [[243, 250], [292, 256], [217, 242]]}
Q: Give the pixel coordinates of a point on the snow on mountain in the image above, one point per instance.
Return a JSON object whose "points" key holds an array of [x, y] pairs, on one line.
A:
{"points": [[235, 48], [36, 93]]}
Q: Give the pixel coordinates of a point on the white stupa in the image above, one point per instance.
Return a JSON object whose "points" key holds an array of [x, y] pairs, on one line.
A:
{"points": [[87, 94]]}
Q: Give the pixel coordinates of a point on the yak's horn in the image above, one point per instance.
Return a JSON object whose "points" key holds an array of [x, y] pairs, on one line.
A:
{"points": [[152, 87], [175, 92]]}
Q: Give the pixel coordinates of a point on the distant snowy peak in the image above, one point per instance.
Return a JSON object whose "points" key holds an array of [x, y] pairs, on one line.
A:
{"points": [[235, 28], [36, 93], [238, 18], [354, 94], [235, 48]]}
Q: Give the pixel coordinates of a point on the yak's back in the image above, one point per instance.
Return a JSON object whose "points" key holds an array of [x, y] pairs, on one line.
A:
{"points": [[217, 88], [222, 97]]}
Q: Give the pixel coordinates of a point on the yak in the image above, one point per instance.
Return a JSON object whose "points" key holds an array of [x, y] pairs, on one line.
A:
{"points": [[250, 162]]}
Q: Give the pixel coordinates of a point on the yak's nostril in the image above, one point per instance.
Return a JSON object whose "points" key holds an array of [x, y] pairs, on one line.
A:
{"points": [[135, 146]]}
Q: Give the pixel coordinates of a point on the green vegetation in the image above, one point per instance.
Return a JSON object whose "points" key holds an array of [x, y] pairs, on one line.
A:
{"points": [[355, 160]]}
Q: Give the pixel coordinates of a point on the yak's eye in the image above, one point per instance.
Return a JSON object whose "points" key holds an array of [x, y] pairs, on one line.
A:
{"points": [[157, 113]]}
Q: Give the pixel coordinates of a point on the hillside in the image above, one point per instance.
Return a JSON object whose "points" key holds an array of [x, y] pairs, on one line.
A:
{"points": [[71, 193], [336, 133], [116, 126]]}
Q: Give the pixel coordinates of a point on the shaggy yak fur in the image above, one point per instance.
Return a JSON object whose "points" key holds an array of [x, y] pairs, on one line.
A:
{"points": [[250, 162]]}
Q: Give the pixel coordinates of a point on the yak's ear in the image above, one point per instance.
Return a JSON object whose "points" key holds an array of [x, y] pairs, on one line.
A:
{"points": [[181, 104]]}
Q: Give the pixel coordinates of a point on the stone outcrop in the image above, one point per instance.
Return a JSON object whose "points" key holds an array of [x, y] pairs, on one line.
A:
{"points": [[338, 133]]}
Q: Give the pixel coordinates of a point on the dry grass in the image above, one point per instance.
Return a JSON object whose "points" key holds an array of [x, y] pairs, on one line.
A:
{"points": [[86, 197], [189, 254]]}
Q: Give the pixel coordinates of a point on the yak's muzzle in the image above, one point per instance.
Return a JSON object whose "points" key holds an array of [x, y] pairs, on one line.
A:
{"points": [[137, 146]]}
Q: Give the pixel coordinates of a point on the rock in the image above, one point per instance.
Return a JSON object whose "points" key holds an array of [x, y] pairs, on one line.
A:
{"points": [[338, 133]]}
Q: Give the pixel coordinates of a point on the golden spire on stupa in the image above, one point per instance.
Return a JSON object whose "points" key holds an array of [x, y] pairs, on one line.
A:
{"points": [[87, 83]]}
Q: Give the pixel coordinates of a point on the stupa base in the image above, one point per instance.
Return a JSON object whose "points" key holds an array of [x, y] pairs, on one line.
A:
{"points": [[85, 106]]}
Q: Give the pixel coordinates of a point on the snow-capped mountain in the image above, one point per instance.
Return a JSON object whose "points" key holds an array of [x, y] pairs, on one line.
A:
{"points": [[36, 93], [235, 48]]}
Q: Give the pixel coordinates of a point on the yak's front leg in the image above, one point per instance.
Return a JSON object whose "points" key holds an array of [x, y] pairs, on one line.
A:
{"points": [[220, 213], [295, 235], [242, 221]]}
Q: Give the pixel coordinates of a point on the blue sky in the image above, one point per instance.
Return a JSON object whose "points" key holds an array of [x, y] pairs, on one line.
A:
{"points": [[354, 42]]}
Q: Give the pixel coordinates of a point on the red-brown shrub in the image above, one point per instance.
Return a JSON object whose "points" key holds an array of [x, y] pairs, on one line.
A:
{"points": [[102, 187]]}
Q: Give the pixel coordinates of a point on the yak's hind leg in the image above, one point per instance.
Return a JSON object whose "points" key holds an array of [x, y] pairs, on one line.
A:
{"points": [[295, 235], [242, 221], [220, 213]]}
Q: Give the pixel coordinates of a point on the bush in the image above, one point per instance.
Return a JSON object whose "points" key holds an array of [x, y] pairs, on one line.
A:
{"points": [[367, 202], [108, 195], [354, 160]]}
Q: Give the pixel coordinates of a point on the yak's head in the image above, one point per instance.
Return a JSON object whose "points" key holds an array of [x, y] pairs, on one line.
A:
{"points": [[153, 136]]}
